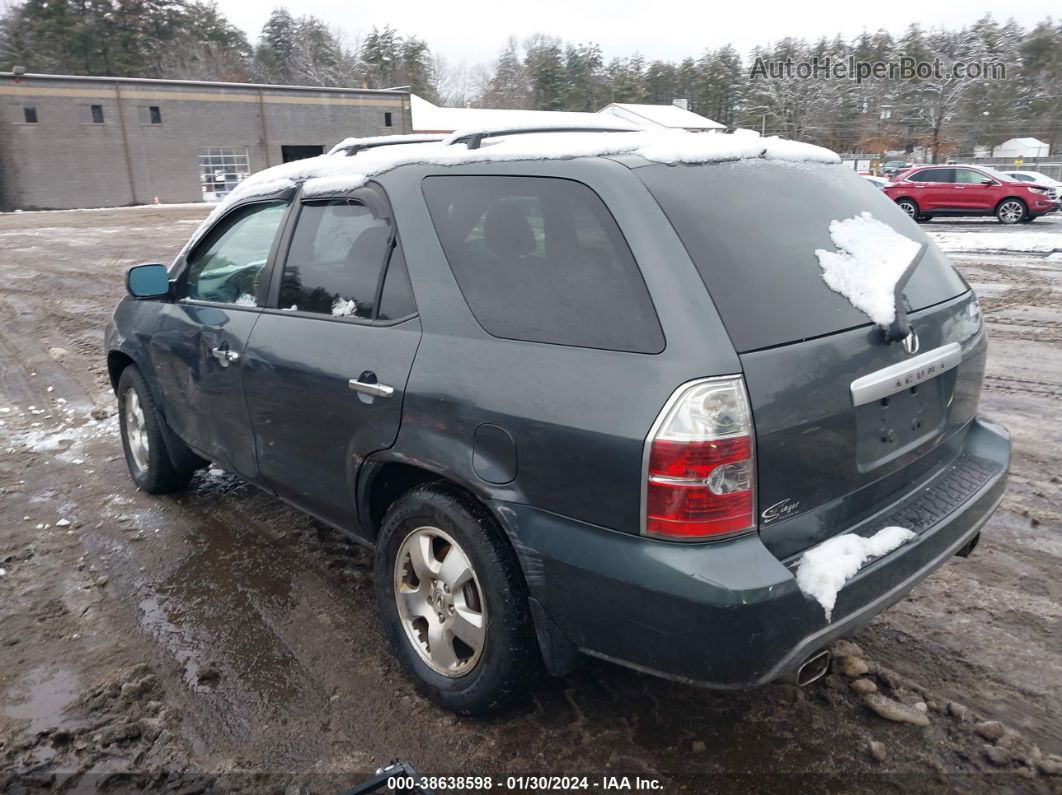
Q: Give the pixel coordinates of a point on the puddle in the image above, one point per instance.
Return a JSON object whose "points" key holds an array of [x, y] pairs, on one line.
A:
{"points": [[218, 613], [41, 697]]}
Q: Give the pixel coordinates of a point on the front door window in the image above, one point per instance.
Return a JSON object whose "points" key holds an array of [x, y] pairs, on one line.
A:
{"points": [[226, 267]]}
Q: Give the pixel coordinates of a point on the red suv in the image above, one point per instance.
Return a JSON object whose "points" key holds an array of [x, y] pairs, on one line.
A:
{"points": [[926, 191]]}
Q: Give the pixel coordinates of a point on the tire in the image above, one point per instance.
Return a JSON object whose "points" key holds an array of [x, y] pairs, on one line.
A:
{"points": [[924, 219], [438, 519], [910, 207], [152, 468], [1011, 211]]}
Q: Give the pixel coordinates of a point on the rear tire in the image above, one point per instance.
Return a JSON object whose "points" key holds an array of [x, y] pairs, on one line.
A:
{"points": [[1011, 211], [500, 664], [910, 207], [146, 453]]}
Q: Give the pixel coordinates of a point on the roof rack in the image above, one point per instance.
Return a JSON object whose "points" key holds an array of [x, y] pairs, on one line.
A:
{"points": [[373, 143], [474, 139]]}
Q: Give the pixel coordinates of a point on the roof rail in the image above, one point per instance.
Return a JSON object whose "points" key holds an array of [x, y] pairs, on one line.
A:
{"points": [[372, 143], [474, 139]]}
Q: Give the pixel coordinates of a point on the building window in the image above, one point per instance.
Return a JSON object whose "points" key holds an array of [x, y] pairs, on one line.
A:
{"points": [[387, 119], [91, 114], [29, 114], [222, 168], [150, 114]]}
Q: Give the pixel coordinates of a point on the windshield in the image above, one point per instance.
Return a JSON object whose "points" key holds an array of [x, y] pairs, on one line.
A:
{"points": [[752, 228]]}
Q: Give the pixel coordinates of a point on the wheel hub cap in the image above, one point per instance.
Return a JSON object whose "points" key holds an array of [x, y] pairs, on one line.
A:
{"points": [[440, 603], [136, 430]]}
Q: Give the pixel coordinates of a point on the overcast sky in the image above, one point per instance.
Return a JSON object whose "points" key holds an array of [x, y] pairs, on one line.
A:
{"points": [[475, 32]]}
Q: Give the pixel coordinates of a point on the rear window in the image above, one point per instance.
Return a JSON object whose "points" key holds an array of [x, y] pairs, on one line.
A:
{"points": [[752, 228], [542, 260]]}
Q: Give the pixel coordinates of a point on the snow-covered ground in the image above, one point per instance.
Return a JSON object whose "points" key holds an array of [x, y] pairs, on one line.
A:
{"points": [[1042, 236]]}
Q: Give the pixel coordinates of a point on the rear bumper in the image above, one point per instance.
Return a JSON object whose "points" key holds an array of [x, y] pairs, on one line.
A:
{"points": [[729, 614]]}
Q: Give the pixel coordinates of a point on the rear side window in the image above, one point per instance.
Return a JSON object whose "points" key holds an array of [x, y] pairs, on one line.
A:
{"points": [[933, 175], [542, 260], [752, 228], [336, 260]]}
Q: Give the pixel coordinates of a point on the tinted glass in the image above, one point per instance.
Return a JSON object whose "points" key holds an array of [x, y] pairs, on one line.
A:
{"points": [[543, 260], [29, 114], [758, 259], [97, 114], [933, 175], [396, 300], [226, 266], [336, 259], [967, 176]]}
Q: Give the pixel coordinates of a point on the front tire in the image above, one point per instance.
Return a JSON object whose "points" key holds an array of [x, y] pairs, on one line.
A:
{"points": [[1011, 211], [453, 602], [146, 454]]}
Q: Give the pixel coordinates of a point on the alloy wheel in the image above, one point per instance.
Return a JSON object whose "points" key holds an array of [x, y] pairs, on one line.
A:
{"points": [[136, 430], [440, 602], [909, 208], [1010, 212]]}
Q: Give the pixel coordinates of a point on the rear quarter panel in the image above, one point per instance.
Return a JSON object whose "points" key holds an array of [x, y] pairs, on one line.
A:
{"points": [[578, 416]]}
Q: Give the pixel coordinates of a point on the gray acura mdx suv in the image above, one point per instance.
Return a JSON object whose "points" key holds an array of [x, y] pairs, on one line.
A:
{"points": [[585, 392]]}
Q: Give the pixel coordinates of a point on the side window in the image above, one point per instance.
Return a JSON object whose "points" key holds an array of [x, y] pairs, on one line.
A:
{"points": [[226, 266], [335, 260], [396, 300], [934, 175], [542, 260], [967, 176]]}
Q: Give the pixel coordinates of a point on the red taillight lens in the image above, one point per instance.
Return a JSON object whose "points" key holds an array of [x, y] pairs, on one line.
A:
{"points": [[697, 486]]}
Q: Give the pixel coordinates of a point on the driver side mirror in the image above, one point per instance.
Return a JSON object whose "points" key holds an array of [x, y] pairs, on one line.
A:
{"points": [[148, 281], [987, 181]]}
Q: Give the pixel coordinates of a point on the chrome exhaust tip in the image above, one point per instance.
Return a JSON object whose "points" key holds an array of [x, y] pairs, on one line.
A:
{"points": [[813, 669]]}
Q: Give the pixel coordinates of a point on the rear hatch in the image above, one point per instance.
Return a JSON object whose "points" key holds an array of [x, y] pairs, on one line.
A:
{"points": [[828, 456]]}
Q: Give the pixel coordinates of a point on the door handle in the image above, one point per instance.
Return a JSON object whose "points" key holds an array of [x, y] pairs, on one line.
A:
{"points": [[224, 356], [376, 390]]}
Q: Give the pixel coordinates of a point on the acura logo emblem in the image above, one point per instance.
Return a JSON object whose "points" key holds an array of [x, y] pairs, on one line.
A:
{"points": [[910, 342]]}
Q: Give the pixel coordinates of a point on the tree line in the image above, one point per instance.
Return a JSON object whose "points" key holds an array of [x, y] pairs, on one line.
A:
{"points": [[191, 39]]}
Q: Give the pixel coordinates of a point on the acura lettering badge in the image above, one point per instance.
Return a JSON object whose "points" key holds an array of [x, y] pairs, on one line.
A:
{"points": [[910, 342]]}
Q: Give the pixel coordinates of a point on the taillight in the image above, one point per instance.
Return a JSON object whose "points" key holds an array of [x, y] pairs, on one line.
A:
{"points": [[699, 468]]}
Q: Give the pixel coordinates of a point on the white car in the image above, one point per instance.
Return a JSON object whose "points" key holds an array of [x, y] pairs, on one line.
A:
{"points": [[1054, 185]]}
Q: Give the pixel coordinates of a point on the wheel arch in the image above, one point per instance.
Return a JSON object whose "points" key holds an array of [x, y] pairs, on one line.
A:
{"points": [[117, 361], [1024, 203], [387, 476]]}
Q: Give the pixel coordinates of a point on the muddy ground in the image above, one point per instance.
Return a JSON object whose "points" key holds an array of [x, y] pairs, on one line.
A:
{"points": [[221, 640]]}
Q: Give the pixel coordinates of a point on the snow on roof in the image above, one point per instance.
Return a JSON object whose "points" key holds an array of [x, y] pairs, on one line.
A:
{"points": [[1024, 142], [670, 116], [339, 172], [429, 118]]}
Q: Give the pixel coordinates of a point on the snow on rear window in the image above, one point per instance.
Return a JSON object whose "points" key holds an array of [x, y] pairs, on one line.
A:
{"points": [[825, 569], [870, 258]]}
